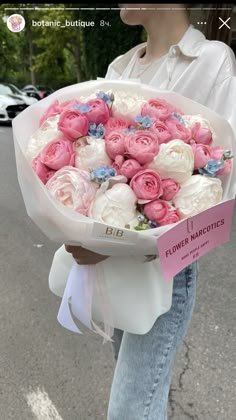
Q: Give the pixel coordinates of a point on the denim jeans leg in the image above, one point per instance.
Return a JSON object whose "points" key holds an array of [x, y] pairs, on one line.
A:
{"points": [[142, 375]]}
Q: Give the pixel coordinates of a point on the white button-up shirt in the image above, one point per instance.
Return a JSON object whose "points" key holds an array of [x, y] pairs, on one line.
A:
{"points": [[202, 70]]}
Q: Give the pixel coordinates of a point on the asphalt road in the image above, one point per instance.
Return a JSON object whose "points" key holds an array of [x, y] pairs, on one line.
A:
{"points": [[48, 373]]}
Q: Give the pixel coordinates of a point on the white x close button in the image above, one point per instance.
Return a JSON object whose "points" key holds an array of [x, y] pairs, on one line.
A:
{"points": [[224, 23]]}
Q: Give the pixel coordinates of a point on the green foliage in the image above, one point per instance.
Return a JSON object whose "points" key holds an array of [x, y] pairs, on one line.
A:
{"points": [[57, 56]]}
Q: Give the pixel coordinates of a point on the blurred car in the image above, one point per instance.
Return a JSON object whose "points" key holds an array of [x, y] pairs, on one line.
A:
{"points": [[10, 89], [12, 102], [42, 91]]}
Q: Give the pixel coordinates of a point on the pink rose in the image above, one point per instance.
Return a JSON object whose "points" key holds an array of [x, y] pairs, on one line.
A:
{"points": [[141, 145], [115, 143], [53, 110], [73, 124], [41, 170], [157, 108], [170, 188], [58, 153], [114, 124], [119, 160], [157, 210], [147, 185], [130, 168], [72, 188], [202, 135], [202, 154], [160, 129], [216, 153], [179, 131], [99, 113], [171, 217]]}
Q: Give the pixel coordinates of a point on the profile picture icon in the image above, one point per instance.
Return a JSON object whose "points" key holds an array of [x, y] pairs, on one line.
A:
{"points": [[16, 23]]}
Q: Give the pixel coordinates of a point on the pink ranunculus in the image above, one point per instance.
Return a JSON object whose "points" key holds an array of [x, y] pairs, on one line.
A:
{"points": [[99, 112], [216, 153], [147, 185], [58, 153], [54, 109], [160, 129], [157, 210], [157, 108], [141, 145], [118, 162], [171, 217], [49, 175], [73, 124], [178, 131], [114, 124], [115, 144], [201, 135], [72, 187], [202, 154], [40, 169], [130, 168], [170, 188]]}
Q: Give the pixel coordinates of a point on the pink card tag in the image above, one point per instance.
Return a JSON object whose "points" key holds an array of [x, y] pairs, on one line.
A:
{"points": [[194, 237]]}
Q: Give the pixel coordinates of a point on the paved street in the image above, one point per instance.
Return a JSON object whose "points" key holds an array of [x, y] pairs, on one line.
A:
{"points": [[48, 373]]}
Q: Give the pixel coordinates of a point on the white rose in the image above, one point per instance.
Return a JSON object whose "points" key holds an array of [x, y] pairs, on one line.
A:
{"points": [[127, 106], [115, 206], [191, 120], [90, 153], [197, 194], [175, 160], [47, 132]]}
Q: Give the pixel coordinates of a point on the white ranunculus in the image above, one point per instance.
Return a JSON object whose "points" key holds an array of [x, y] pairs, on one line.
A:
{"points": [[175, 160], [115, 206], [90, 153], [197, 194], [191, 120], [47, 132], [127, 106]]}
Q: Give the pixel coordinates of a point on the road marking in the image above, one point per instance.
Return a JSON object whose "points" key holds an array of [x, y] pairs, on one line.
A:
{"points": [[41, 405]]}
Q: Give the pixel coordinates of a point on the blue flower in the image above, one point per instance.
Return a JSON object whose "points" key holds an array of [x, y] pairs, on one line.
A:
{"points": [[212, 167], [97, 131], [178, 117], [102, 174], [107, 97], [143, 122], [82, 107]]}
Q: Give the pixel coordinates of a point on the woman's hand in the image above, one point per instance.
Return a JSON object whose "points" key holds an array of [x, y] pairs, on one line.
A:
{"points": [[83, 256]]}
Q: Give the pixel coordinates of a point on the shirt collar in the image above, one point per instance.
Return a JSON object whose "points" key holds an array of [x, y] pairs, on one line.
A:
{"points": [[190, 43]]}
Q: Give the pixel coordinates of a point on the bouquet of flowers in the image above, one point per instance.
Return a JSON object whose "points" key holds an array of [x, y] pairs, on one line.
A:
{"points": [[105, 168]]}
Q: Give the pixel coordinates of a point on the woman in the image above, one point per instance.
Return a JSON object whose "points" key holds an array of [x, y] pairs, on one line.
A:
{"points": [[175, 57]]}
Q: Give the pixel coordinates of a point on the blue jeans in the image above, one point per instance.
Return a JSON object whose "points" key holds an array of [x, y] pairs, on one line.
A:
{"points": [[142, 374]]}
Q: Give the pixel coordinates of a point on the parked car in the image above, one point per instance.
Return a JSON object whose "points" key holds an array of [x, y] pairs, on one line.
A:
{"points": [[12, 102], [10, 89], [42, 91]]}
